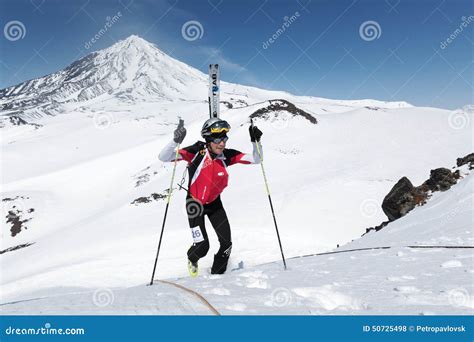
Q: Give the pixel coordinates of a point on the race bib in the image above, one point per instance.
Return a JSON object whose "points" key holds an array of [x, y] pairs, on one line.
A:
{"points": [[197, 234]]}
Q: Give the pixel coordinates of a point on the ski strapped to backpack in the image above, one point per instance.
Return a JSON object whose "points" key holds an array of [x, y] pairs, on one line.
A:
{"points": [[214, 90]]}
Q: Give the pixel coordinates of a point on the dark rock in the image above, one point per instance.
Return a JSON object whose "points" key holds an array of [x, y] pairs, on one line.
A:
{"points": [[376, 228], [372, 108], [152, 197], [16, 214], [8, 199], [156, 196], [17, 224], [17, 121], [380, 226], [14, 248], [142, 179], [228, 104], [403, 197], [282, 105], [242, 103], [467, 159], [440, 179], [141, 200], [399, 200]]}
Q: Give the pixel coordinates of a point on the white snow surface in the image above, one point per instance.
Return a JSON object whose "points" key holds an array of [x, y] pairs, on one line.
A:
{"points": [[92, 251]]}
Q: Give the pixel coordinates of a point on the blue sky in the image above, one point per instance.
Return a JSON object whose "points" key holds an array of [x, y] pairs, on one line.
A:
{"points": [[322, 51]]}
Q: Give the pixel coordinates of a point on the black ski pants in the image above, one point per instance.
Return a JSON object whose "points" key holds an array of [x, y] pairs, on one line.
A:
{"points": [[218, 217]]}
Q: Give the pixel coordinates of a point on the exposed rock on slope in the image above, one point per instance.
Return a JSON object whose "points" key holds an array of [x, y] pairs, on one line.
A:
{"points": [[404, 197], [282, 105]]}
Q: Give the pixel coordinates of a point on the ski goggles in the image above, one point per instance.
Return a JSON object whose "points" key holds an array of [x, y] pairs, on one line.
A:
{"points": [[218, 130], [218, 140]]}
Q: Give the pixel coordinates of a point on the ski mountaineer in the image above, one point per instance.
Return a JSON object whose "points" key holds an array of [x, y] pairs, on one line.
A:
{"points": [[207, 169]]}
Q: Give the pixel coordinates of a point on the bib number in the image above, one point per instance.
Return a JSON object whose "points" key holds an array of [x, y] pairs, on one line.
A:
{"points": [[197, 234]]}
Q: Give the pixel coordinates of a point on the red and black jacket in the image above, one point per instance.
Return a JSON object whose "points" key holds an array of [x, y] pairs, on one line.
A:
{"points": [[208, 175]]}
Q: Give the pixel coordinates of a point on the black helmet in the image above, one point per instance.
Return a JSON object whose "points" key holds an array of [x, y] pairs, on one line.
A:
{"points": [[214, 127]]}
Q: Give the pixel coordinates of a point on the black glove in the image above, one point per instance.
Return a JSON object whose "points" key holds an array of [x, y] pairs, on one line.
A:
{"points": [[255, 133], [179, 132]]}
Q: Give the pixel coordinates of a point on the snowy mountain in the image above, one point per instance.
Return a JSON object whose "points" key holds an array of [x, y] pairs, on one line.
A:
{"points": [[132, 70], [69, 179]]}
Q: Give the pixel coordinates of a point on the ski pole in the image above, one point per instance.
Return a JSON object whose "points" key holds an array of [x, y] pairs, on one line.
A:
{"points": [[269, 198], [168, 200]]}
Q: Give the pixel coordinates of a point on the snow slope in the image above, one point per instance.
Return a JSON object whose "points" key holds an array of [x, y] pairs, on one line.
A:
{"points": [[398, 280], [80, 171]]}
